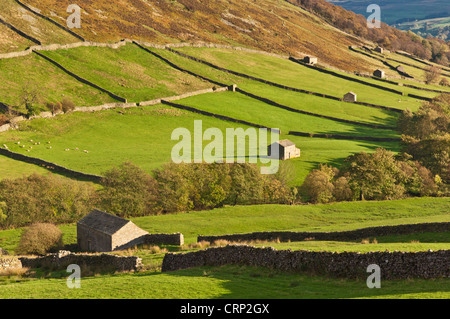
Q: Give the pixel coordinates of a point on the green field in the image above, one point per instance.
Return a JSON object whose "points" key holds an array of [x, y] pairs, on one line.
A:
{"points": [[243, 219], [53, 84], [229, 282], [110, 137], [128, 72], [298, 76], [249, 282], [245, 108]]}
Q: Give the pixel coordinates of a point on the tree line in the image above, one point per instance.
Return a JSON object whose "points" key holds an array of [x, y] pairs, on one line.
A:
{"points": [[129, 191], [422, 168]]}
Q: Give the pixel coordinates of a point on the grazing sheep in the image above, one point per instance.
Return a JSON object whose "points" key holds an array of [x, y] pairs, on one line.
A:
{"points": [[67, 149], [85, 151]]}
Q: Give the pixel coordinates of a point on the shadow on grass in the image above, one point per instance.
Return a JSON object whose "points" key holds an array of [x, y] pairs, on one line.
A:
{"points": [[244, 282]]}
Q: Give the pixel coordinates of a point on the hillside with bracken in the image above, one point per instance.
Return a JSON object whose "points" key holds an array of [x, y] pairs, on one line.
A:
{"points": [[270, 25]]}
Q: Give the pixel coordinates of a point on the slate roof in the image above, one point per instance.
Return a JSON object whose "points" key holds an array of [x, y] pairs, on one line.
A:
{"points": [[103, 222]]}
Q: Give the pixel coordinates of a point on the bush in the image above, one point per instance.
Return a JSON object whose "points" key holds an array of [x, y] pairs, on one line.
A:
{"points": [[67, 105], [54, 106], [40, 239], [3, 119], [318, 184]]}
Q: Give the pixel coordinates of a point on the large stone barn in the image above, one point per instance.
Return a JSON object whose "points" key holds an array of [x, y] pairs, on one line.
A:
{"points": [[287, 150], [100, 232]]}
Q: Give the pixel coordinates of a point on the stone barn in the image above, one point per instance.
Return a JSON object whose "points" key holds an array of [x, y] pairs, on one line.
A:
{"points": [[310, 60], [350, 97], [379, 49], [287, 150], [379, 73], [101, 232]]}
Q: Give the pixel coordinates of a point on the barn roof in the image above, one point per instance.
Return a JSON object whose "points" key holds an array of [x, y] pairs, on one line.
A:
{"points": [[284, 143], [103, 222]]}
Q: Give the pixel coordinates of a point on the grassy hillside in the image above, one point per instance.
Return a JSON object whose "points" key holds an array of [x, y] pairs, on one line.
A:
{"points": [[239, 106], [10, 168], [33, 25], [11, 41], [141, 135], [290, 74], [128, 72], [138, 75], [53, 84], [272, 25]]}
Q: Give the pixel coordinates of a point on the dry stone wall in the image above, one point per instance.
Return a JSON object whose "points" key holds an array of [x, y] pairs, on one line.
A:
{"points": [[246, 76], [267, 101], [50, 166], [393, 265], [62, 259], [345, 137], [9, 263], [21, 33], [286, 236], [345, 76], [82, 80], [165, 239], [222, 117], [54, 47]]}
